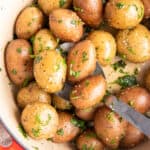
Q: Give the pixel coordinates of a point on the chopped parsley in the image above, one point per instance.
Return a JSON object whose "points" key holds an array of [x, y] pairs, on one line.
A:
{"points": [[62, 3], [32, 39], [84, 57], [119, 64], [57, 67], [37, 59], [131, 50], [75, 22], [0, 69], [91, 135], [78, 9], [85, 147], [110, 116], [78, 123], [136, 71], [113, 141], [25, 82], [60, 132], [36, 132], [30, 51], [119, 5], [60, 21], [14, 71], [140, 13], [19, 50], [22, 131], [39, 121], [126, 81], [73, 73], [87, 82]]}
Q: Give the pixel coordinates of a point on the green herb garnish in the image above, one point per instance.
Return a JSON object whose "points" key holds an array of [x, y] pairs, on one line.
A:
{"points": [[14, 71], [25, 82], [37, 59], [91, 135], [0, 69], [110, 116], [84, 57], [60, 21], [32, 39], [119, 5], [119, 64], [78, 123], [85, 147], [78, 9], [131, 50], [113, 141], [35, 148], [62, 3], [87, 82], [75, 22], [36, 132], [22, 131], [126, 81], [19, 50], [60, 132]]}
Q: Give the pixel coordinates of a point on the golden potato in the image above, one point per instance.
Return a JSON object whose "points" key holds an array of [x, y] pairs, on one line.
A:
{"points": [[132, 137], [81, 61], [19, 64], [40, 120], [61, 103], [29, 21], [67, 27], [66, 130], [32, 93], [109, 127], [50, 71], [105, 46], [88, 92], [134, 44], [137, 97], [90, 11], [123, 14], [44, 40], [48, 5], [89, 141]]}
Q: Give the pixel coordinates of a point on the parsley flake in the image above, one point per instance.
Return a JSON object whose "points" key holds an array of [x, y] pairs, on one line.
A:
{"points": [[60, 132], [119, 5]]}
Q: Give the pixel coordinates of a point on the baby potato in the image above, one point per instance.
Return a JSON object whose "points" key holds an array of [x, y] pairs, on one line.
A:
{"points": [[18, 62], [134, 44], [67, 27], [32, 93], [61, 103], [44, 40], [123, 14], [137, 97], [86, 114], [105, 46], [132, 137], [29, 21], [66, 131], [81, 61], [89, 92], [50, 71], [90, 11], [109, 127], [147, 8], [89, 141], [48, 5], [147, 80], [40, 120]]}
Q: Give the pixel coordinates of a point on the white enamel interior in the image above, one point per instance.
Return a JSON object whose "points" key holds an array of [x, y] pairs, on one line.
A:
{"points": [[9, 113]]}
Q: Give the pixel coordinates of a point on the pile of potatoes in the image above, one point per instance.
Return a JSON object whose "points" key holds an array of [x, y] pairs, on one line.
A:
{"points": [[99, 30]]}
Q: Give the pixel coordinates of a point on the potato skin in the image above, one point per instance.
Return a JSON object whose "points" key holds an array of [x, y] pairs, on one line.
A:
{"points": [[44, 40], [137, 97], [81, 61], [32, 93], [29, 21], [147, 80], [67, 27], [86, 114], [66, 131], [108, 127], [89, 139], [147, 8], [48, 5], [132, 44], [105, 46], [18, 62], [123, 14], [40, 120], [50, 71], [89, 92], [61, 103], [132, 137], [91, 11]]}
